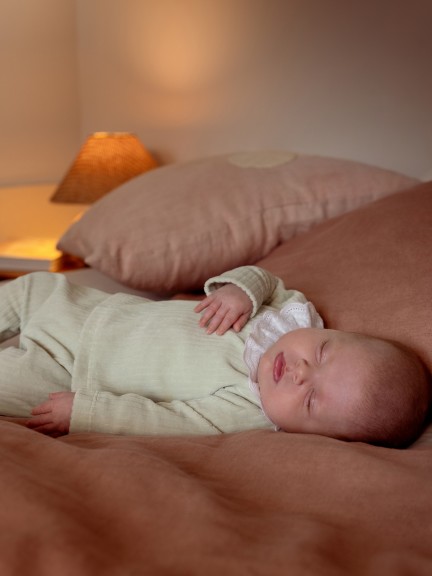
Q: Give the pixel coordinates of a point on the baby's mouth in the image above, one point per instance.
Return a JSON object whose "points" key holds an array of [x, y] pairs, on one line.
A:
{"points": [[278, 367]]}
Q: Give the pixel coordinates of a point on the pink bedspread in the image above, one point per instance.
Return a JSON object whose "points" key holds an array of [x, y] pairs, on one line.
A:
{"points": [[251, 503]]}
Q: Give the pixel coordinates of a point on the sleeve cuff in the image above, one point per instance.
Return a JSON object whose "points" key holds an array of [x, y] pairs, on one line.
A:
{"points": [[255, 282], [81, 411]]}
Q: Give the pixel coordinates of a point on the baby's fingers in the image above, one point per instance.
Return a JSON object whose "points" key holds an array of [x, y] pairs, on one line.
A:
{"points": [[44, 408], [204, 303], [222, 322], [241, 322], [211, 312], [45, 425], [37, 421]]}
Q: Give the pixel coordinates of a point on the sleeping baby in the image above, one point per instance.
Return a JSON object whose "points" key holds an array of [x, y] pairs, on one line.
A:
{"points": [[258, 357]]}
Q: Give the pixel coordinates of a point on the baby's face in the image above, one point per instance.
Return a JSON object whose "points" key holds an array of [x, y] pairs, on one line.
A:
{"points": [[312, 380]]}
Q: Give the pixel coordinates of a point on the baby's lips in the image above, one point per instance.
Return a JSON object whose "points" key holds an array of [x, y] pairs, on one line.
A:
{"points": [[278, 367]]}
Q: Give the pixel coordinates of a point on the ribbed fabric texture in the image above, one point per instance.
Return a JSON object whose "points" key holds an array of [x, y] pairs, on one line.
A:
{"points": [[258, 284], [136, 366]]}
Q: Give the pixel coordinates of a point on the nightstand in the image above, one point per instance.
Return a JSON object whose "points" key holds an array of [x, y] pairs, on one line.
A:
{"points": [[27, 217]]}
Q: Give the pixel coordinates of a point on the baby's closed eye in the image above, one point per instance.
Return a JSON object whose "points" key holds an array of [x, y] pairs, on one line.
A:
{"points": [[310, 398], [322, 351]]}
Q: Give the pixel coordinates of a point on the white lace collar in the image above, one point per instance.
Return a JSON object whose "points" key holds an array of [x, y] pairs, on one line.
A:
{"points": [[270, 326]]}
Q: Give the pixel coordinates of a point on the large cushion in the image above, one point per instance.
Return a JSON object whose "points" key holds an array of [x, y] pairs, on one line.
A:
{"points": [[370, 270], [173, 227]]}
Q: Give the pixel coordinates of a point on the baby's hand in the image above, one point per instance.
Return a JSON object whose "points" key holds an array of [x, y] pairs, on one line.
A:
{"points": [[53, 416], [227, 307]]}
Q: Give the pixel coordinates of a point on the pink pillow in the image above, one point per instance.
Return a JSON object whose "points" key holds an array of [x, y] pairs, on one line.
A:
{"points": [[173, 227], [370, 270]]}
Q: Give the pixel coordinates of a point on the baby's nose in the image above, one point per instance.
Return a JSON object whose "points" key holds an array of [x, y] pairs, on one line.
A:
{"points": [[300, 372]]}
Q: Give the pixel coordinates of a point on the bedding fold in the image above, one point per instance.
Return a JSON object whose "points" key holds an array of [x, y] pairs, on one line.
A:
{"points": [[255, 502]]}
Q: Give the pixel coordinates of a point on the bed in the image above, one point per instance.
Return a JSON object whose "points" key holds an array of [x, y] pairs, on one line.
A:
{"points": [[356, 240]]}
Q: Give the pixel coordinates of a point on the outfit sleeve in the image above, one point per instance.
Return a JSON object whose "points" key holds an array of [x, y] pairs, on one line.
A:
{"points": [[222, 412], [261, 286]]}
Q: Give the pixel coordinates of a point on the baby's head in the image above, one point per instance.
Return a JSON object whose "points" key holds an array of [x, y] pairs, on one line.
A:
{"points": [[344, 385]]}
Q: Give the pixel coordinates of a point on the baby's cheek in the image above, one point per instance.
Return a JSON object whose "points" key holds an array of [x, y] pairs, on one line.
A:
{"points": [[263, 366]]}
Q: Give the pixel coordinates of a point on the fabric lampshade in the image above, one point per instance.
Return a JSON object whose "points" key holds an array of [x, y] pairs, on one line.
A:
{"points": [[106, 160]]}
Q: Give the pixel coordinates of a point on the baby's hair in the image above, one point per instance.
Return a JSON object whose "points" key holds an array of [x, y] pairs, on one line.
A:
{"points": [[398, 395]]}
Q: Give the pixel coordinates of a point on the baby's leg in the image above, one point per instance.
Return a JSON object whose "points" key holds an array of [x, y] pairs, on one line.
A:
{"points": [[20, 298], [26, 379], [26, 376], [48, 312], [10, 306]]}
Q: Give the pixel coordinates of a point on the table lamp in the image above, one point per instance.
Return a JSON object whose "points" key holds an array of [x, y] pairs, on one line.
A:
{"points": [[106, 160]]}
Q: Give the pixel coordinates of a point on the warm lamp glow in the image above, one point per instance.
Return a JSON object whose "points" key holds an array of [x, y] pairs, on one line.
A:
{"points": [[106, 160]]}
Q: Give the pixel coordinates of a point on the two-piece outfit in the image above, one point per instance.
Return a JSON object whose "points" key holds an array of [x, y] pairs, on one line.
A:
{"points": [[138, 366]]}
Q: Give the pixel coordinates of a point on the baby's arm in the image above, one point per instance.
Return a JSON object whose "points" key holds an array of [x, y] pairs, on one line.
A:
{"points": [[227, 307], [260, 285], [53, 416], [235, 296], [224, 411]]}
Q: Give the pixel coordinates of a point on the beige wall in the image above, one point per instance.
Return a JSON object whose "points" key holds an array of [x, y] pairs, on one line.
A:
{"points": [[39, 96], [345, 78], [348, 78], [25, 211]]}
